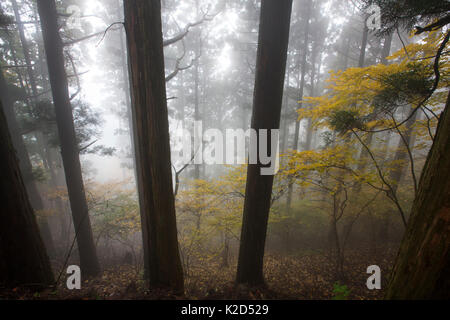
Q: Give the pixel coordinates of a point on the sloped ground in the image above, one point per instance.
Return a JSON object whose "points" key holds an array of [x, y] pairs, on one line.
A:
{"points": [[293, 277]]}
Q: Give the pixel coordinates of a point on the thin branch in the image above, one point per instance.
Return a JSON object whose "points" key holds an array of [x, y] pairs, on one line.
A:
{"points": [[178, 62], [72, 63], [389, 193], [405, 142], [433, 89], [87, 146], [186, 30], [107, 29], [103, 33]]}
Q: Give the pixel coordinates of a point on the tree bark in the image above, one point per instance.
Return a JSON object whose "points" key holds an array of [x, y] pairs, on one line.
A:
{"points": [[66, 132], [23, 259], [151, 135], [422, 268], [270, 73]]}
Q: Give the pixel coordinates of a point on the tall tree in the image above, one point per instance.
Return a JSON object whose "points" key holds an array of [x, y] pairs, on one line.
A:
{"points": [[270, 72], [302, 68], [25, 163], [26, 167], [66, 132], [23, 259], [423, 263], [301, 82], [152, 146]]}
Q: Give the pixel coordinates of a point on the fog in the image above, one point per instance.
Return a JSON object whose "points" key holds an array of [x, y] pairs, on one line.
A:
{"points": [[349, 148]]}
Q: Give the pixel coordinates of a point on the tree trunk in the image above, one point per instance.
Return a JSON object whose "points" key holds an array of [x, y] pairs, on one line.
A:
{"points": [[309, 129], [422, 269], [25, 49], [66, 132], [23, 259], [362, 53], [270, 72], [302, 71], [300, 97], [126, 86], [198, 135], [26, 167], [151, 134]]}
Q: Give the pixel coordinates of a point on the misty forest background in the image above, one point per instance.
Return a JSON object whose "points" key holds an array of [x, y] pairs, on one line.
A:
{"points": [[93, 100]]}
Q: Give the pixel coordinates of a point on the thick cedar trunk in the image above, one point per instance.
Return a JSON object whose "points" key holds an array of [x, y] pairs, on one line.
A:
{"points": [[270, 72], [66, 132], [23, 259], [151, 136], [422, 269]]}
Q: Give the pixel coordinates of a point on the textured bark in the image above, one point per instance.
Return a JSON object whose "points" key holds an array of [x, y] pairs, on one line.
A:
{"points": [[270, 72], [23, 259], [422, 269], [152, 146], [66, 133]]}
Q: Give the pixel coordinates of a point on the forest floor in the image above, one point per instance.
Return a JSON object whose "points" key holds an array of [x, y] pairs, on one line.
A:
{"points": [[290, 277]]}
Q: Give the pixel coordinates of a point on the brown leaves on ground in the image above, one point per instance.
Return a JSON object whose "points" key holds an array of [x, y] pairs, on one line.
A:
{"points": [[287, 277]]}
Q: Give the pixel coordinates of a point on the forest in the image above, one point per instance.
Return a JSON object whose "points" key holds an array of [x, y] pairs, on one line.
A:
{"points": [[224, 149]]}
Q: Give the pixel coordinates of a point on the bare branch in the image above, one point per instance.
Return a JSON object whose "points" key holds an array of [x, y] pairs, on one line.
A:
{"points": [[178, 62], [103, 33], [87, 146], [182, 34]]}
